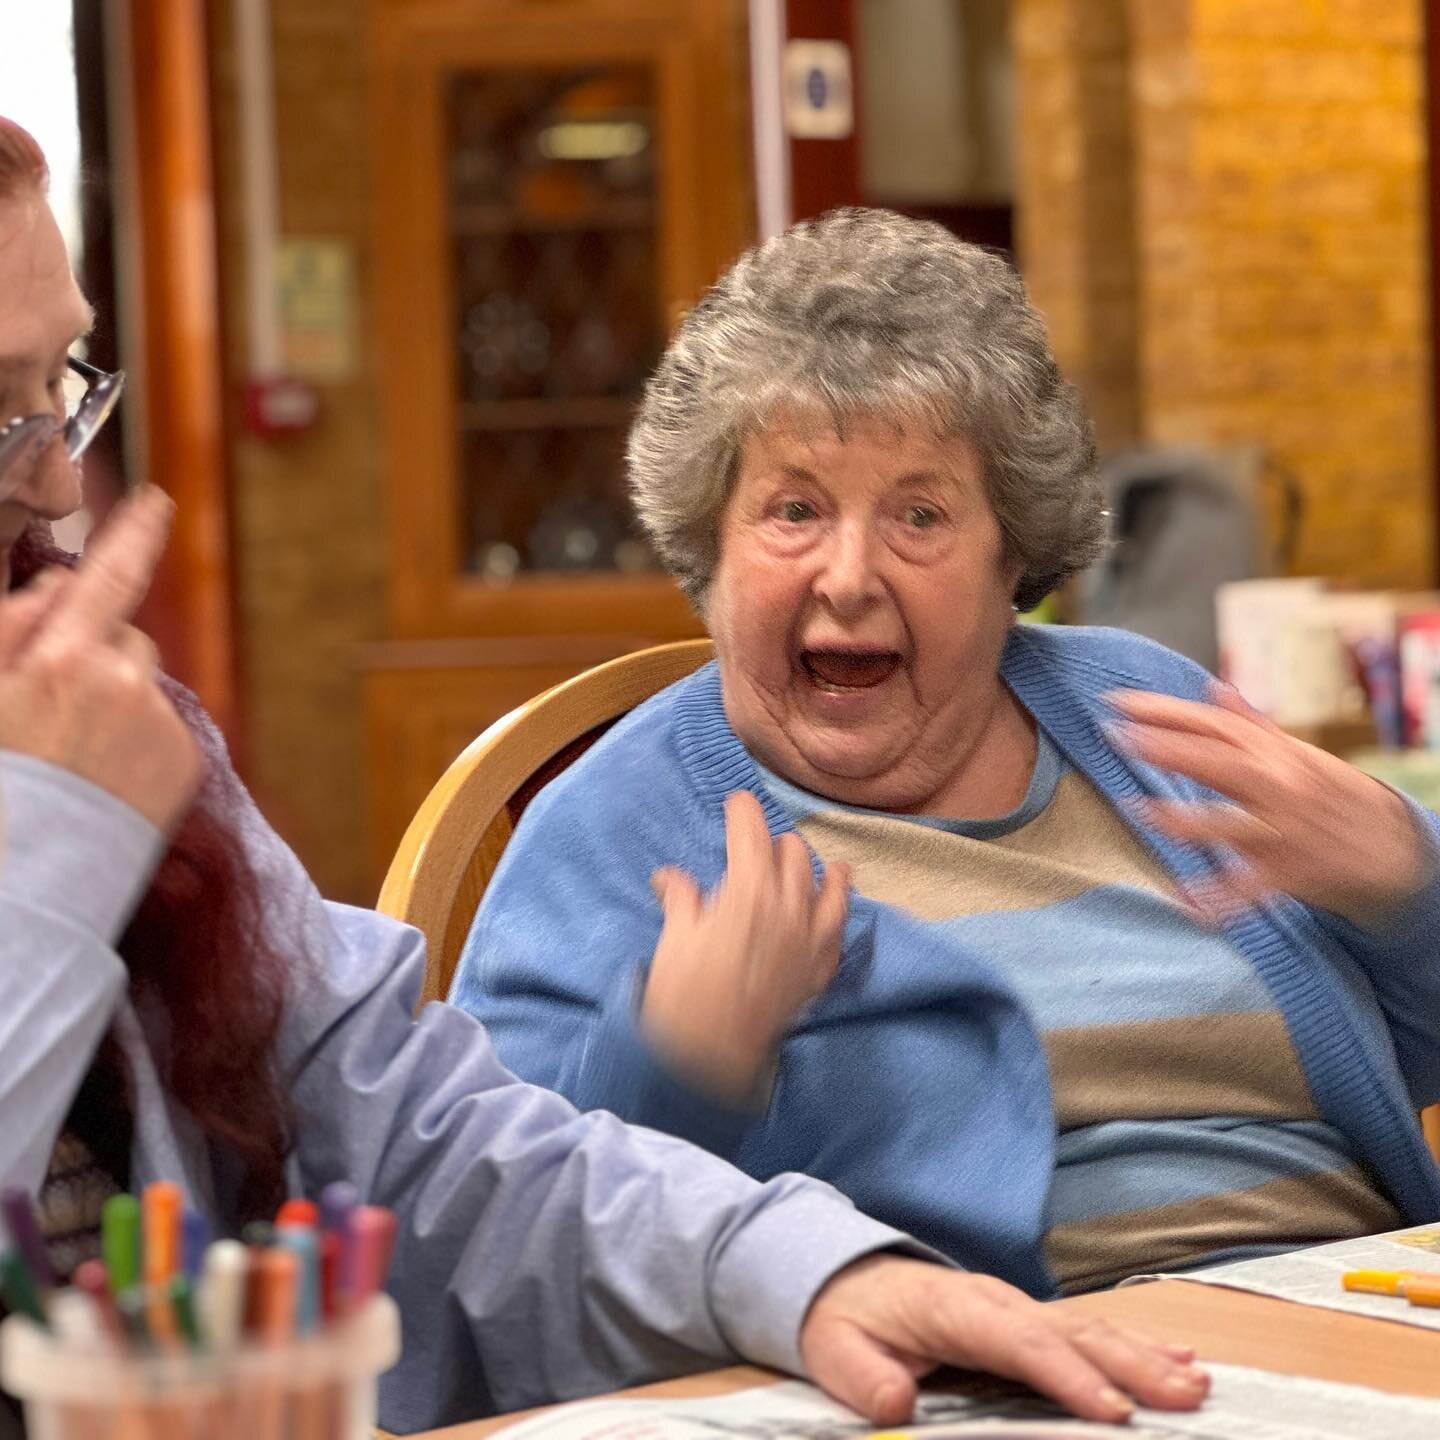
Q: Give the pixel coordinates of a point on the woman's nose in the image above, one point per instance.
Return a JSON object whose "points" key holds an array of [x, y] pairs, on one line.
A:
{"points": [[43, 478], [848, 580]]}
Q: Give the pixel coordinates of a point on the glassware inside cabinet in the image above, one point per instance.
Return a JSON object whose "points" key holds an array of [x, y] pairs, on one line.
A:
{"points": [[558, 311]]}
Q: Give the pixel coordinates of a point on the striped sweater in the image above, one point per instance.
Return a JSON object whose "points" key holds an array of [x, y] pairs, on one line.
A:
{"points": [[1187, 1131], [931, 1082]]}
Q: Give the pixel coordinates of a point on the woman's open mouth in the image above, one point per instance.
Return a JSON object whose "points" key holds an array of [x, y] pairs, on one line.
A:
{"points": [[839, 671]]}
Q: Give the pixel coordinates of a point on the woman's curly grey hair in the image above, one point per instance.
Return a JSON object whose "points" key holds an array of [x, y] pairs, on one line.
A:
{"points": [[865, 312]]}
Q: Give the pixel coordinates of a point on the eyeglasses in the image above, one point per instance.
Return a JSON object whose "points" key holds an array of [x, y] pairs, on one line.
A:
{"points": [[23, 438]]}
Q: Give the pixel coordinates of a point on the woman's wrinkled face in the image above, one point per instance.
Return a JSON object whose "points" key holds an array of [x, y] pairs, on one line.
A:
{"points": [[859, 608], [42, 314]]}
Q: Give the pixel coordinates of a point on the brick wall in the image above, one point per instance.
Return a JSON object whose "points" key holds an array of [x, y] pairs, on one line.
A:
{"points": [[1271, 157], [307, 525]]}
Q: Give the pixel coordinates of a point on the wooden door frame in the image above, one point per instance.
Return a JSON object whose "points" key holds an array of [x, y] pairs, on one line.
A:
{"points": [[170, 279], [413, 46], [1432, 136]]}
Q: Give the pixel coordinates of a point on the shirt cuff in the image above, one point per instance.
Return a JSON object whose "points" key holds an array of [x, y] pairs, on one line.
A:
{"points": [[71, 849], [778, 1263]]}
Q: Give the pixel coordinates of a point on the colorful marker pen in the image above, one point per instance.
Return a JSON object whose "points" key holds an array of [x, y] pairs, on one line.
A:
{"points": [[19, 1211], [222, 1294], [160, 1208], [120, 1241]]}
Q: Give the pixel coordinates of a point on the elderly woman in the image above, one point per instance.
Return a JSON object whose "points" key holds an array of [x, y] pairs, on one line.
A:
{"points": [[1130, 980], [177, 1001]]}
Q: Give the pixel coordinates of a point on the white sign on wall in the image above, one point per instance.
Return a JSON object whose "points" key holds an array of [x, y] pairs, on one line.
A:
{"points": [[819, 96]]}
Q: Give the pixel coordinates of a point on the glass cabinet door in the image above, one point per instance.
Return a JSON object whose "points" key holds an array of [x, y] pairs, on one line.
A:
{"points": [[552, 212]]}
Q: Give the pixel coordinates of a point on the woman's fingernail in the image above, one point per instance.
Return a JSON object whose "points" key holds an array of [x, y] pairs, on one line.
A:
{"points": [[1188, 1382], [889, 1399], [1122, 1405]]}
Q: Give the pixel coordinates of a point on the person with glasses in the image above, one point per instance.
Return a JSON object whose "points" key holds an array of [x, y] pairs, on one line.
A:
{"points": [[25, 438], [177, 1001]]}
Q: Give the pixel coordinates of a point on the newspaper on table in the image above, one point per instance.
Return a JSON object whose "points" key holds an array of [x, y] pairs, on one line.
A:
{"points": [[1244, 1404], [1312, 1277]]}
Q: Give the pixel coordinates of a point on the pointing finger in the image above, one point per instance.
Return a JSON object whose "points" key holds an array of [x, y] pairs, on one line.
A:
{"points": [[677, 892], [747, 842], [112, 579]]}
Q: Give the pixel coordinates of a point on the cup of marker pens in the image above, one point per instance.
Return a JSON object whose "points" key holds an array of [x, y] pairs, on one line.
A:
{"points": [[280, 1337]]}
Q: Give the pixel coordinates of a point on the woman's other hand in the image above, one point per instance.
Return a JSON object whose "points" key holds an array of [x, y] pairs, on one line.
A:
{"points": [[732, 969], [78, 685], [884, 1322], [1302, 821]]}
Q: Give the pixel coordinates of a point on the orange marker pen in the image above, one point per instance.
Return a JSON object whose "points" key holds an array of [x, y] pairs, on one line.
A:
{"points": [[1391, 1282], [161, 1206], [1423, 1290], [277, 1285]]}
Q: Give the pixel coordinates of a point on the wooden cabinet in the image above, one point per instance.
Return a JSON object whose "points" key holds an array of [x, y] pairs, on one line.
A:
{"points": [[555, 181]]}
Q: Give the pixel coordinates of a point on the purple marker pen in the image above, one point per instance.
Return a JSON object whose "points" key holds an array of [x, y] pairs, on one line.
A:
{"points": [[25, 1236]]}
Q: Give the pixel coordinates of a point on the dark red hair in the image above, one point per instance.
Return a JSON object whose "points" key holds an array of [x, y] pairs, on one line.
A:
{"points": [[197, 948]]}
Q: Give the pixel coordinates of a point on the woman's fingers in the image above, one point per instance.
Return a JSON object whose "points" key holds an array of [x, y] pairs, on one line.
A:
{"points": [[1139, 1367], [678, 894], [917, 1316], [1024, 1344], [794, 876], [138, 648], [1227, 825], [1219, 765], [748, 856], [867, 1376], [113, 577], [1233, 721], [1226, 894], [1227, 697], [23, 612]]}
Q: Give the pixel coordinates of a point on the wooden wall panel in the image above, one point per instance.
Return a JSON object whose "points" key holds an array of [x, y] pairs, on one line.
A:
{"points": [[176, 332]]}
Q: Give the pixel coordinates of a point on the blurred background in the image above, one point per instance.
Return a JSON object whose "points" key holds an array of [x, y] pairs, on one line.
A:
{"points": [[388, 275]]}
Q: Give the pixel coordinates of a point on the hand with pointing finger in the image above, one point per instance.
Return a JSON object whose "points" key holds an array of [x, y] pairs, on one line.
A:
{"points": [[732, 969], [1296, 820], [78, 685]]}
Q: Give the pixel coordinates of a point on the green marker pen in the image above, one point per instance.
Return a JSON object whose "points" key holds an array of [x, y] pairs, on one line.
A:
{"points": [[120, 1241], [17, 1286], [182, 1301]]}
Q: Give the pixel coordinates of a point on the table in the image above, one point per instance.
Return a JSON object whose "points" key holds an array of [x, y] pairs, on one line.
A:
{"points": [[1230, 1326]]}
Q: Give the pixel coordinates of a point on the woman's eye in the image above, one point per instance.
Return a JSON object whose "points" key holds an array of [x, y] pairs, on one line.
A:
{"points": [[795, 511], [922, 517]]}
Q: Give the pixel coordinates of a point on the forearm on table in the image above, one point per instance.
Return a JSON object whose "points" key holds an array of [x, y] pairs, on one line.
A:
{"points": [[74, 863]]}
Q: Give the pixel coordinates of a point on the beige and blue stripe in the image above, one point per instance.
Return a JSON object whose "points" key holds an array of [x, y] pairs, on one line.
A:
{"points": [[1186, 1130]]}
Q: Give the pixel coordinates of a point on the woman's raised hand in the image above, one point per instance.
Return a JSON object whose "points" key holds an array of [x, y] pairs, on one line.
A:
{"points": [[732, 969], [78, 685], [1300, 821]]}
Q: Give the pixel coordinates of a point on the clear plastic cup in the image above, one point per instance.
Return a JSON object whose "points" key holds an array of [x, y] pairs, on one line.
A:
{"points": [[314, 1387]]}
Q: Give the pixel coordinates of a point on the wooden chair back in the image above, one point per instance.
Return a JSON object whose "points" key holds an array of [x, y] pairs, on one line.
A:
{"points": [[455, 841]]}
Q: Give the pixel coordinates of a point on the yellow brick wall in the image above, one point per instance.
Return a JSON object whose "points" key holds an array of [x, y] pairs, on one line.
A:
{"points": [[1277, 228], [1075, 217], [308, 528]]}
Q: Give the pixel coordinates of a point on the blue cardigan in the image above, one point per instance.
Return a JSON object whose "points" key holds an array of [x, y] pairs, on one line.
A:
{"points": [[918, 1088]]}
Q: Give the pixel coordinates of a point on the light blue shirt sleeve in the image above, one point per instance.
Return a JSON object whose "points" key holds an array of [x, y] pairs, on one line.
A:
{"points": [[74, 862], [542, 1254]]}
